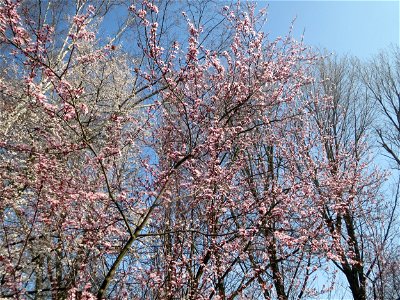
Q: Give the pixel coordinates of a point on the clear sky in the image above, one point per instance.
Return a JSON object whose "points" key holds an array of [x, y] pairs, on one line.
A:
{"points": [[359, 28]]}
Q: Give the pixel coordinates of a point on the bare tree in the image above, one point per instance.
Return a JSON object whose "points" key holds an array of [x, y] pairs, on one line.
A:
{"points": [[381, 78], [353, 218]]}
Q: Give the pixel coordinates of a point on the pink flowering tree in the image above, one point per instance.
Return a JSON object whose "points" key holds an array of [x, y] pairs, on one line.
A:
{"points": [[174, 168]]}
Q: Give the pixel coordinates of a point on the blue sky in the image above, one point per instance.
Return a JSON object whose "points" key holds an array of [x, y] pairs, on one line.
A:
{"points": [[360, 28]]}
